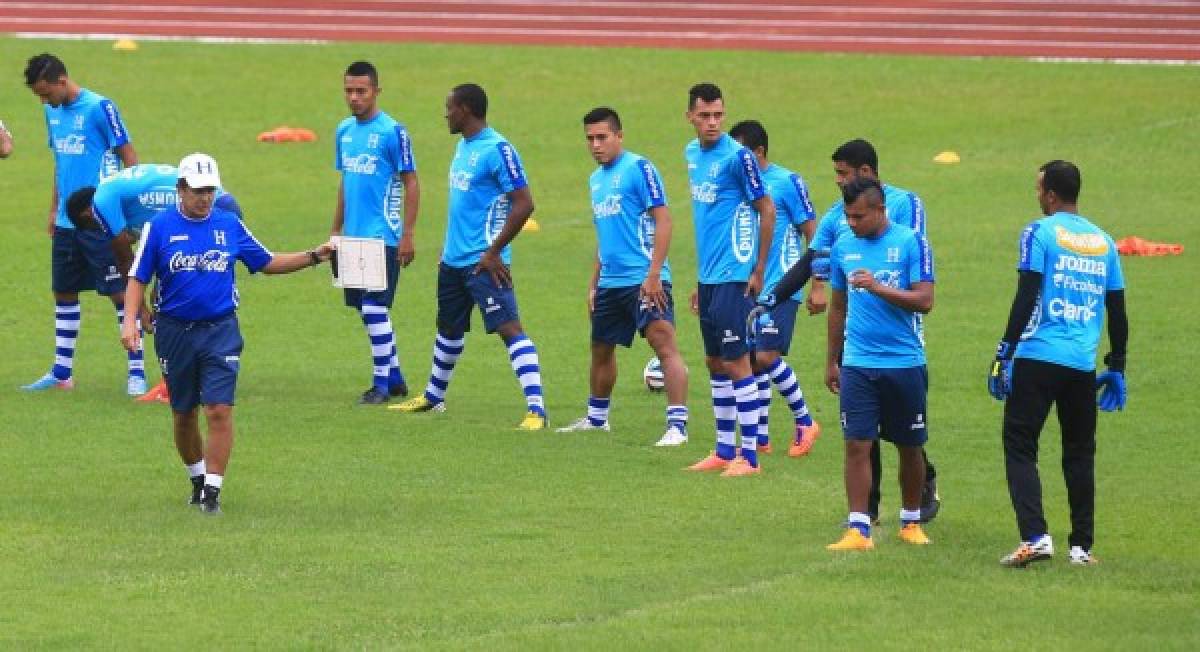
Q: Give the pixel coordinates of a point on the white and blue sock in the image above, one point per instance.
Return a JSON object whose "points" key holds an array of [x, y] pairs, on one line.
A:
{"points": [[446, 351], [909, 516], [383, 343], [137, 360], [725, 412], [789, 387], [66, 331], [597, 412], [860, 522], [764, 407], [745, 392], [395, 376], [524, 359], [677, 415]]}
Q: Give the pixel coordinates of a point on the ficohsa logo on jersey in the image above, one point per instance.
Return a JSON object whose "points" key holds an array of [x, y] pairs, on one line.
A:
{"points": [[745, 223]]}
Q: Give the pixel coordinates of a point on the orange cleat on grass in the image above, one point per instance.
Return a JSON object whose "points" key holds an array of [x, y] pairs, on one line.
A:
{"points": [[711, 463], [806, 436]]}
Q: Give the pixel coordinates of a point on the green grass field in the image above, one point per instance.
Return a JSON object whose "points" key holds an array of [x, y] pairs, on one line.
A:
{"points": [[349, 527]]}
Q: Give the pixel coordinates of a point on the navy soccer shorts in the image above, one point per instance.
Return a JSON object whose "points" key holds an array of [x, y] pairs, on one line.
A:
{"points": [[724, 308], [200, 360], [81, 259], [460, 289], [776, 335], [887, 403], [618, 312], [354, 297]]}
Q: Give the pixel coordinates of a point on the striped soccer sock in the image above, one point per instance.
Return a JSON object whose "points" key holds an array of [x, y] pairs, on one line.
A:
{"points": [[395, 376], [745, 392], [789, 387], [764, 407], [383, 342], [524, 359], [597, 412], [446, 351], [66, 331], [137, 359], [677, 415], [725, 412]]}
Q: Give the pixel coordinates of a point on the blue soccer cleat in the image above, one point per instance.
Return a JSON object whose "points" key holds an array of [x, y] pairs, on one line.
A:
{"points": [[48, 382]]}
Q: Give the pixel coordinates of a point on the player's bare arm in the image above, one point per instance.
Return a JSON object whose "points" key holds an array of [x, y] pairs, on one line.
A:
{"points": [[836, 334], [521, 202], [652, 287], [766, 230], [405, 250]]}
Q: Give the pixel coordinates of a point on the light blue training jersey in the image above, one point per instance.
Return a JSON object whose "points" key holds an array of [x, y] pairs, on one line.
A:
{"points": [[623, 192], [792, 208], [83, 135], [903, 207], [880, 335], [129, 199], [484, 170], [193, 260], [725, 180], [371, 155], [1079, 264]]}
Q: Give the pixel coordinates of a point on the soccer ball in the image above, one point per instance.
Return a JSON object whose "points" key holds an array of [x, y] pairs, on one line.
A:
{"points": [[652, 375]]}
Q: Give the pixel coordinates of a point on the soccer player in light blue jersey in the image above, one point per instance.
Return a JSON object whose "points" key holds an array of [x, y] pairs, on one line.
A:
{"points": [[378, 197], [191, 249], [89, 141], [1069, 276], [882, 282], [794, 227], [630, 289], [490, 202], [857, 159], [734, 221]]}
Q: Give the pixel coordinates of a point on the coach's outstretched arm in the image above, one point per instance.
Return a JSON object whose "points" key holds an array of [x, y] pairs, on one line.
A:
{"points": [[521, 207], [290, 262]]}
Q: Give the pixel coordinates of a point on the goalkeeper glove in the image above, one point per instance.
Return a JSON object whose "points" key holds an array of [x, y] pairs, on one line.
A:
{"points": [[1111, 384], [1000, 377], [820, 265]]}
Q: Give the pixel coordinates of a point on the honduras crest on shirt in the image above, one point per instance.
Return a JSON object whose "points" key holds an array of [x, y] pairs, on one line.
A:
{"points": [[82, 135], [1079, 265], [623, 193], [725, 181], [903, 207], [371, 155], [485, 168], [792, 209]]}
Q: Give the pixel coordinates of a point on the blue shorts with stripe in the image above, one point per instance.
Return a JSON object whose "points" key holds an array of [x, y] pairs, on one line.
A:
{"points": [[82, 259], [619, 312], [885, 403], [460, 289], [776, 335], [199, 359], [724, 308], [384, 297]]}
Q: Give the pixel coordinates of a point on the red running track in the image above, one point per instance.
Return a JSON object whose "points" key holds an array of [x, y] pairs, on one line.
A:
{"points": [[1129, 29]]}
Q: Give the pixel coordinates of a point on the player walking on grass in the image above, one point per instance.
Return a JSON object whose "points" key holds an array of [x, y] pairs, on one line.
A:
{"points": [[489, 204], [120, 207], [734, 221], [853, 160], [89, 142], [191, 249], [630, 288], [378, 190], [882, 280], [1069, 274], [793, 221]]}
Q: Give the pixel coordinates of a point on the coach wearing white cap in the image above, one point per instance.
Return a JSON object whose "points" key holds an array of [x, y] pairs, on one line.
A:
{"points": [[191, 248]]}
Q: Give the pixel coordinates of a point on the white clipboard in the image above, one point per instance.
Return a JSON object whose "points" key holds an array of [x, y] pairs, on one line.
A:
{"points": [[360, 264]]}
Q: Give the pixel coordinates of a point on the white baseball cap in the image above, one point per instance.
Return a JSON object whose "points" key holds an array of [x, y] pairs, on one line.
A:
{"points": [[199, 171]]}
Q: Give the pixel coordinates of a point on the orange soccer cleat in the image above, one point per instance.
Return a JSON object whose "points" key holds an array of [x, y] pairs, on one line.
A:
{"points": [[740, 467], [806, 436], [157, 393], [711, 463]]}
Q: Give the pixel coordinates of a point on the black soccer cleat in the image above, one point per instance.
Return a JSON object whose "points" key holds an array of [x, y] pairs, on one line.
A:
{"points": [[210, 502], [197, 489], [373, 397], [398, 390], [931, 503]]}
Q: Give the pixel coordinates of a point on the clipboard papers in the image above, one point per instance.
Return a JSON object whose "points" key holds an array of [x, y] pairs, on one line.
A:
{"points": [[359, 264]]}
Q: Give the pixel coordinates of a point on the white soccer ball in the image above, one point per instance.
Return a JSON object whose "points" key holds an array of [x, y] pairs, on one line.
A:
{"points": [[652, 375]]}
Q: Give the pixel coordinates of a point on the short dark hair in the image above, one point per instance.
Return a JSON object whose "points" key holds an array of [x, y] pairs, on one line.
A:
{"points": [[706, 91], [603, 114], [860, 187], [473, 97], [363, 69], [751, 134], [856, 154], [44, 67], [1063, 179], [77, 203]]}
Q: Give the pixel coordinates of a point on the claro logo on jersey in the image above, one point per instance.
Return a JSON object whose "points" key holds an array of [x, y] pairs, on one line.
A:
{"points": [[1069, 311], [1088, 244], [75, 145], [213, 260], [745, 222], [361, 164]]}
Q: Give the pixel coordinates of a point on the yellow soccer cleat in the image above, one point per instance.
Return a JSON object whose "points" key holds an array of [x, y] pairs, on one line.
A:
{"points": [[532, 421], [419, 404], [852, 539], [912, 533]]}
